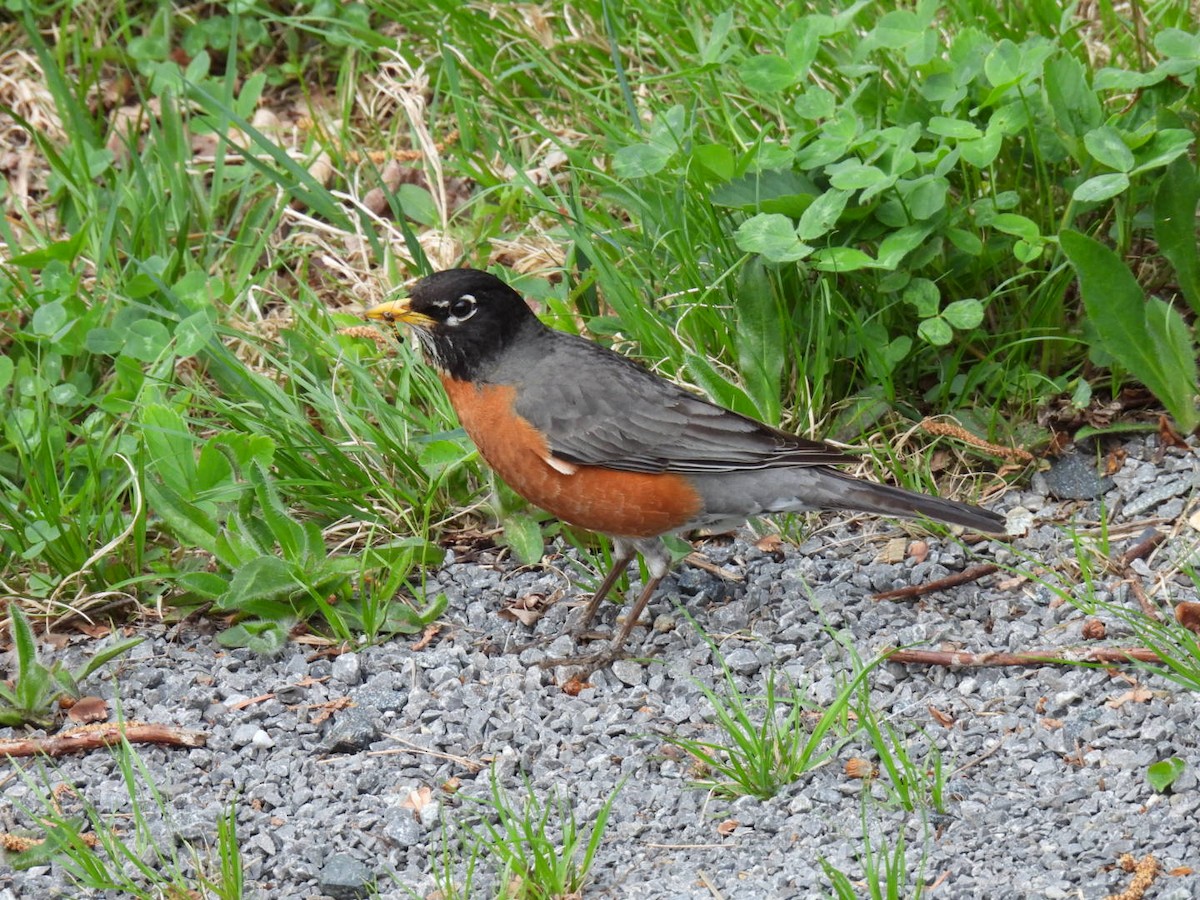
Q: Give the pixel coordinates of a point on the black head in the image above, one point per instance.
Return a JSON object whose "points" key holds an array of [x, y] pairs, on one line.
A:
{"points": [[464, 319]]}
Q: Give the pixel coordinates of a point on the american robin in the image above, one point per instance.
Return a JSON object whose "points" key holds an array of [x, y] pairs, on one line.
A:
{"points": [[604, 444]]}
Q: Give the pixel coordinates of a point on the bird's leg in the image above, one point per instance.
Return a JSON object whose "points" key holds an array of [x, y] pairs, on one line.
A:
{"points": [[623, 554], [658, 562], [635, 614]]}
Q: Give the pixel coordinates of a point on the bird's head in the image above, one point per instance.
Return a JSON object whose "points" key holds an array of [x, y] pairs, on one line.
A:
{"points": [[463, 318]]}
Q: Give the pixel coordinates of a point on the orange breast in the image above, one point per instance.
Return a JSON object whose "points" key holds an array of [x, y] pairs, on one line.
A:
{"points": [[625, 504]]}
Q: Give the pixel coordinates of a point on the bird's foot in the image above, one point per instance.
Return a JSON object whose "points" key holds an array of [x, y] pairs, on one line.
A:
{"points": [[585, 664]]}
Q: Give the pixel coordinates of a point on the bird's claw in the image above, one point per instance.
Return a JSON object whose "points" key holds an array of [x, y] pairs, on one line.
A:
{"points": [[585, 664]]}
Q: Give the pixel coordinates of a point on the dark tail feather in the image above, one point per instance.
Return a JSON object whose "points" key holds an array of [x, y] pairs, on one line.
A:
{"points": [[867, 496]]}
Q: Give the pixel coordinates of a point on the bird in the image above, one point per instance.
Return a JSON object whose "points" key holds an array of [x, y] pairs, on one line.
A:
{"points": [[604, 444]]}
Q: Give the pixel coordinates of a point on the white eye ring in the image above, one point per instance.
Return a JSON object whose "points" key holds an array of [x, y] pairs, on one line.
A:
{"points": [[462, 308]]}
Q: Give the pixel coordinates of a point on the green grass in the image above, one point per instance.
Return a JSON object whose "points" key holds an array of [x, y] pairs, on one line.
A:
{"points": [[763, 743], [124, 852], [820, 217], [536, 848]]}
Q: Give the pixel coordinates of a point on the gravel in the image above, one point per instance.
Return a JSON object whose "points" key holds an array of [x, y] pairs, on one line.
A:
{"points": [[338, 767]]}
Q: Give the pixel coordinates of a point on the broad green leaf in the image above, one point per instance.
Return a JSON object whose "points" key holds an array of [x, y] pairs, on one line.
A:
{"points": [[669, 129], [759, 340], [705, 375], [801, 45], [206, 585], [966, 241], [1102, 187], [815, 103], [768, 74], [1108, 148], [983, 152], [214, 473], [936, 331], [170, 448], [1166, 146], [1016, 225], [1003, 66], [641, 160], [1175, 205], [964, 314], [49, 319], [265, 638], [841, 259], [898, 244], [438, 456], [6, 371], [774, 191], [717, 159], [104, 341], [417, 204], [523, 536], [193, 333], [264, 578], [1112, 79], [189, 522], [1175, 42], [822, 216], [853, 175], [1164, 773], [771, 235], [958, 129], [713, 50], [924, 296], [1076, 106], [147, 341], [899, 28], [60, 251], [924, 197], [1149, 338]]}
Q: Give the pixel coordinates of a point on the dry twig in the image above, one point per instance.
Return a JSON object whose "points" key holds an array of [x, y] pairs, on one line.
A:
{"points": [[92, 737], [965, 659]]}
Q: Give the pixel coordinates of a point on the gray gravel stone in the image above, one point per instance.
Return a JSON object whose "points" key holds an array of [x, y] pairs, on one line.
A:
{"points": [[1046, 765], [1075, 477], [345, 878]]}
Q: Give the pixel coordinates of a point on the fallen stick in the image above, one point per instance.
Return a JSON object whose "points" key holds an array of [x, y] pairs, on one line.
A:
{"points": [[919, 590], [1142, 548], [105, 734], [962, 658]]}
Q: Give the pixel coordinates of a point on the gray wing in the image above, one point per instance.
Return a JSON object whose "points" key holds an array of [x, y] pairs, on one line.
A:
{"points": [[599, 408]]}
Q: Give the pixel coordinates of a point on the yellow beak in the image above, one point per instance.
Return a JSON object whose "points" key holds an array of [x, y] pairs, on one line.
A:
{"points": [[398, 311]]}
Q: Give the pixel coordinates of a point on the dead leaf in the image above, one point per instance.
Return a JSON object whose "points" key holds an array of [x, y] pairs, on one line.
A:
{"points": [[728, 827], [769, 543], [417, 800], [94, 629], [1135, 695], [427, 636], [1169, 436], [894, 551], [574, 686], [943, 719], [857, 767], [88, 710], [1187, 614], [1051, 724], [452, 784], [919, 550], [1094, 630], [527, 610]]}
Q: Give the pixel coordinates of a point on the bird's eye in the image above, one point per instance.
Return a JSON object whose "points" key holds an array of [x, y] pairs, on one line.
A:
{"points": [[463, 307]]}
